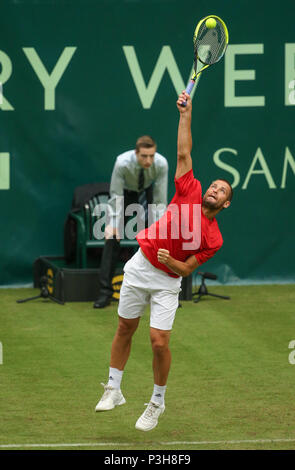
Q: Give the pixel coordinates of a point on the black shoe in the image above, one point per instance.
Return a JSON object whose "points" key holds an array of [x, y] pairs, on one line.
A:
{"points": [[102, 302]]}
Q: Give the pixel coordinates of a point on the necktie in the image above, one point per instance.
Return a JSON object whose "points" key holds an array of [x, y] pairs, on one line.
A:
{"points": [[142, 196], [141, 180]]}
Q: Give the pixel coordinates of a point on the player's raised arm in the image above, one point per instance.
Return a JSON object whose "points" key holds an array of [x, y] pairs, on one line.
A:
{"points": [[184, 138]]}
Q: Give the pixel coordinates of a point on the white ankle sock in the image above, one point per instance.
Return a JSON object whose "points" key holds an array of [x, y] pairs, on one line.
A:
{"points": [[159, 394], [115, 377]]}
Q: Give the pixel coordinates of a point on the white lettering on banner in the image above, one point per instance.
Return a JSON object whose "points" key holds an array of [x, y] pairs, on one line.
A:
{"points": [[225, 166], [49, 82], [292, 93], [1, 93], [264, 170], [289, 162], [6, 71], [232, 75], [289, 74], [166, 61], [288, 159], [4, 170]]}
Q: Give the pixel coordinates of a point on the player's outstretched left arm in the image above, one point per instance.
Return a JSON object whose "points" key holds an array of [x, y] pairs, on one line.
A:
{"points": [[181, 268], [184, 136]]}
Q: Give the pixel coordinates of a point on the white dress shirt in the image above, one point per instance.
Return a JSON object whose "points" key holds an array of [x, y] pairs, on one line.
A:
{"points": [[125, 177]]}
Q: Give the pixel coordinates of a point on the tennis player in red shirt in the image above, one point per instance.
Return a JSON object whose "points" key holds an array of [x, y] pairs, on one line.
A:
{"points": [[171, 248]]}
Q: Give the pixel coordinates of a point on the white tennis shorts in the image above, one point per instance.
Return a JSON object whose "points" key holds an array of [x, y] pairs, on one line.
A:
{"points": [[144, 284]]}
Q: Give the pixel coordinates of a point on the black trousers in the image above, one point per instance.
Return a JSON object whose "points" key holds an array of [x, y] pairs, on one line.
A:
{"points": [[111, 250]]}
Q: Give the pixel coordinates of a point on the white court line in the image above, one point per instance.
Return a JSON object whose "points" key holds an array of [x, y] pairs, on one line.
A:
{"points": [[124, 444]]}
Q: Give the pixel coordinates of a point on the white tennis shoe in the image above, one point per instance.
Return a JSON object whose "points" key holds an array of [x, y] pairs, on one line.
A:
{"points": [[149, 418], [112, 397]]}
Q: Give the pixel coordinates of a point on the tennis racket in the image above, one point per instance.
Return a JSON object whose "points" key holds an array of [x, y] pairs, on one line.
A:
{"points": [[210, 42]]}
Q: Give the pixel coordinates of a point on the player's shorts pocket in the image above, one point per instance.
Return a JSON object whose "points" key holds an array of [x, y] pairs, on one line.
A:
{"points": [[125, 268], [129, 264]]}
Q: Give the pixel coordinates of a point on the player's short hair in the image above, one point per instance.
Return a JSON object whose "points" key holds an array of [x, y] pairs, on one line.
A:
{"points": [[145, 141], [231, 193]]}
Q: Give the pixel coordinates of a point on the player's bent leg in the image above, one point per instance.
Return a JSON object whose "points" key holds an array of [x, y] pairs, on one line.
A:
{"points": [[121, 345], [161, 355], [161, 366], [164, 304], [120, 351]]}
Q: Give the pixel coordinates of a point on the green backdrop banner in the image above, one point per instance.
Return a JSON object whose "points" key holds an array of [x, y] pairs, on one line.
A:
{"points": [[81, 80]]}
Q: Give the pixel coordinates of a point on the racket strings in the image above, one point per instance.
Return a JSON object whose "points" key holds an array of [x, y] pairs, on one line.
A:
{"points": [[210, 44]]}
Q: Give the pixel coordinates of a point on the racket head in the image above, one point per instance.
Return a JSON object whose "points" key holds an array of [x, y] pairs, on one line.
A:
{"points": [[210, 43]]}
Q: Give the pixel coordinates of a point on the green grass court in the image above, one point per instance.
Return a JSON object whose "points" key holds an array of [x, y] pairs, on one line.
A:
{"points": [[231, 384]]}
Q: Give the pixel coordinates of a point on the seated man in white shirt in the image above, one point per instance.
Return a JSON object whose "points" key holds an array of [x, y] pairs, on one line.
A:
{"points": [[139, 176]]}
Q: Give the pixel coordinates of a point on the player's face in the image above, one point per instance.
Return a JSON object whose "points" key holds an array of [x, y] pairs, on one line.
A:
{"points": [[216, 196], [145, 156]]}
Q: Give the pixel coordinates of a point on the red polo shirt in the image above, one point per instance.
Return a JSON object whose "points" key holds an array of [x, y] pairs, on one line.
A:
{"points": [[183, 230]]}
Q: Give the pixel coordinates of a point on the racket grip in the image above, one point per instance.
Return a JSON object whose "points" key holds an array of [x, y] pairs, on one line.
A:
{"points": [[189, 90], [190, 87]]}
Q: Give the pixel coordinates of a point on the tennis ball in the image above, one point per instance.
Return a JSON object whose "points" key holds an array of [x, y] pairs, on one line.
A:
{"points": [[210, 23]]}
